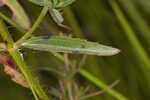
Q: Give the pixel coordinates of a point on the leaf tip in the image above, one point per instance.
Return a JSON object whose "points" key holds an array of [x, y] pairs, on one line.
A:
{"points": [[116, 51], [110, 52]]}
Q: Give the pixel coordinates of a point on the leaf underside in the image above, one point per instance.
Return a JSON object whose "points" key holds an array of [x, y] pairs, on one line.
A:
{"points": [[68, 45]]}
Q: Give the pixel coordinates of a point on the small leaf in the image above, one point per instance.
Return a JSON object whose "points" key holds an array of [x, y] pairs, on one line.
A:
{"points": [[69, 45], [56, 15], [54, 3], [16, 76], [11, 69], [64, 3], [42, 2]]}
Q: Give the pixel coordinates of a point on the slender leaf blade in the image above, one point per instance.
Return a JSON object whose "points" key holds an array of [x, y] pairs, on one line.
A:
{"points": [[42, 2], [69, 45]]}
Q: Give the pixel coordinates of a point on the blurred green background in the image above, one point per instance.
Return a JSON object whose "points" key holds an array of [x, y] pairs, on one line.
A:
{"points": [[123, 24]]}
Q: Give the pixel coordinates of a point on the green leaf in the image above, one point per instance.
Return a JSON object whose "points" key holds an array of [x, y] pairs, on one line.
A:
{"points": [[68, 45], [54, 3], [42, 2], [64, 3]]}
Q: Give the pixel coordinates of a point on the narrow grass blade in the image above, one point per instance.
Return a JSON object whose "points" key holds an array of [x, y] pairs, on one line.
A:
{"points": [[69, 45]]}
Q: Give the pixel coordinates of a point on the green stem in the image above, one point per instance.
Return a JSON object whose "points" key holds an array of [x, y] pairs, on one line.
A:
{"points": [[143, 56], [34, 86], [36, 24], [93, 79], [19, 61], [78, 33], [23, 67], [88, 75], [135, 15], [6, 37], [101, 84], [8, 20]]}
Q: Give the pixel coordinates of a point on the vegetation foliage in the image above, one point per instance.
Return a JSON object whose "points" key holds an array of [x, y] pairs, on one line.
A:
{"points": [[50, 50]]}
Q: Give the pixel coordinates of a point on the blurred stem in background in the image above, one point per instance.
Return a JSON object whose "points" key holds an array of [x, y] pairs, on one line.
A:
{"points": [[142, 55], [137, 18], [70, 18]]}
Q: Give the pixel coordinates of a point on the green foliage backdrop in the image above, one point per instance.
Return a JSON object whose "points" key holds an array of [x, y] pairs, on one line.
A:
{"points": [[123, 24]]}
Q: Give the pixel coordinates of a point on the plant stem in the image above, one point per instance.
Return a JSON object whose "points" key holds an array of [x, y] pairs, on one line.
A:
{"points": [[102, 85], [78, 33], [16, 56], [97, 82], [93, 79], [8, 20], [69, 87], [19, 61], [6, 37], [101, 91], [66, 62], [142, 55], [36, 24], [34, 86], [135, 15]]}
